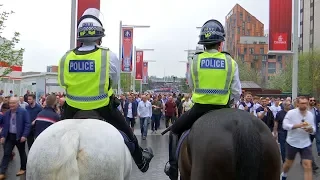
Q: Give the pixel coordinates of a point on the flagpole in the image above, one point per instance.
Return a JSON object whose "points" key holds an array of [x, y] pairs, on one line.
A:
{"points": [[120, 59]]}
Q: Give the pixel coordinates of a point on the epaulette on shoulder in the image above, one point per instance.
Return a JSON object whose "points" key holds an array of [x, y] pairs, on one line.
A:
{"points": [[101, 47], [199, 52], [224, 52]]}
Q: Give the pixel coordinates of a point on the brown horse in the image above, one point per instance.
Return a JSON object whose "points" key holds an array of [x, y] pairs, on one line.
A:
{"points": [[229, 144]]}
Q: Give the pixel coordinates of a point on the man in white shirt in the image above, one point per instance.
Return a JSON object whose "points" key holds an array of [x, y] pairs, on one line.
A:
{"points": [[187, 104], [22, 103], [275, 107], [300, 124], [144, 114], [247, 104]]}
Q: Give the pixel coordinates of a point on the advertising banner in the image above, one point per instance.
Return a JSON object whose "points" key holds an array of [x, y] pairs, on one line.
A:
{"points": [[280, 26], [145, 73], [139, 65], [83, 5], [127, 49]]}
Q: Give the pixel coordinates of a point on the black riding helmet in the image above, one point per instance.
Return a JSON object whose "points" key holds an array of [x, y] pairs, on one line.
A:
{"points": [[212, 32]]}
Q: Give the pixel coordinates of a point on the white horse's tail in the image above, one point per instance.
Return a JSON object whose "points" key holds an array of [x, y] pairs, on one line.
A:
{"points": [[67, 165]]}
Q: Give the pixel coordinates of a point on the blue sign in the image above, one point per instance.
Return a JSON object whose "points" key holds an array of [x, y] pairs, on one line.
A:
{"points": [[127, 34], [81, 66], [212, 63]]}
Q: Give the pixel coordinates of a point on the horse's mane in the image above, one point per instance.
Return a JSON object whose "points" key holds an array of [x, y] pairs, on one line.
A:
{"points": [[87, 114]]}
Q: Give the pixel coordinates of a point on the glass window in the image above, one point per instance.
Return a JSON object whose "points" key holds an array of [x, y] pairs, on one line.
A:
{"points": [[253, 65], [238, 30], [311, 25], [241, 16], [279, 58], [245, 50], [264, 58], [261, 50], [249, 18], [272, 67], [251, 50]]}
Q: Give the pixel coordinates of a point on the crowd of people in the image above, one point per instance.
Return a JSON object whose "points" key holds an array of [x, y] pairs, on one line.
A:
{"points": [[151, 108], [295, 126], [22, 119]]}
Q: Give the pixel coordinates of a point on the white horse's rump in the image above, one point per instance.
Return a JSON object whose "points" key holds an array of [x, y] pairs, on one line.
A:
{"points": [[79, 149]]}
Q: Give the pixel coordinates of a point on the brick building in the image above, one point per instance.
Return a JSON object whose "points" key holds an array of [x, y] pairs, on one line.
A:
{"points": [[246, 41]]}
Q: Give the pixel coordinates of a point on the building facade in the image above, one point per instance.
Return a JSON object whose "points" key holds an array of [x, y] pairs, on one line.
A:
{"points": [[309, 25], [247, 41]]}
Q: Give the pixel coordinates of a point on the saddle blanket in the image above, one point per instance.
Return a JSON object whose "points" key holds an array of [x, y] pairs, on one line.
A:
{"points": [[127, 141], [182, 138]]}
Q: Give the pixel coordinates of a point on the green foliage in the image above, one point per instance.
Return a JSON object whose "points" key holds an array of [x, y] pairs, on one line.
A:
{"points": [[247, 73], [8, 52], [308, 75]]}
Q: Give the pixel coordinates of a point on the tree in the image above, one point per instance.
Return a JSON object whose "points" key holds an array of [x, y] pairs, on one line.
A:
{"points": [[308, 75], [247, 73], [9, 55]]}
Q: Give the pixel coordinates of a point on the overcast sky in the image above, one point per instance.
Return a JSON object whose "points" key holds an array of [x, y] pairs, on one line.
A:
{"points": [[45, 27]]}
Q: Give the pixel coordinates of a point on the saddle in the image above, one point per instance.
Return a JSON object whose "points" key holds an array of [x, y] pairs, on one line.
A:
{"points": [[92, 114]]}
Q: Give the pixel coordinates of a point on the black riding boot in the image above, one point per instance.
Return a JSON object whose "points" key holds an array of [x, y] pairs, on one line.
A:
{"points": [[142, 157], [171, 168]]}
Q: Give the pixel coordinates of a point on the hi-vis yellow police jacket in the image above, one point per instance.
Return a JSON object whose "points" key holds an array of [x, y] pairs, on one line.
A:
{"points": [[86, 79], [212, 75]]}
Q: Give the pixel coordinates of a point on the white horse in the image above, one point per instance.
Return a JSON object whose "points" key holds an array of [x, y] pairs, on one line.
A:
{"points": [[79, 149]]}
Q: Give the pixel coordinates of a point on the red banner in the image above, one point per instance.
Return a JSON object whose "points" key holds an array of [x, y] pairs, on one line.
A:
{"points": [[139, 65], [145, 73], [280, 25], [83, 5], [127, 49]]}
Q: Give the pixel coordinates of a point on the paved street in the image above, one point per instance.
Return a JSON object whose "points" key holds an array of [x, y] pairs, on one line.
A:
{"points": [[160, 146]]}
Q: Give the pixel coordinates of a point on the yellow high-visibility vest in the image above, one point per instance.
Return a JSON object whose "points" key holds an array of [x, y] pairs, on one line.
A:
{"points": [[85, 78], [212, 74]]}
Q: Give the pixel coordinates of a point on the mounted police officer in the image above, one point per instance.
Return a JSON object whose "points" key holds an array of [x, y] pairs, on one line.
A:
{"points": [[214, 78], [87, 73]]}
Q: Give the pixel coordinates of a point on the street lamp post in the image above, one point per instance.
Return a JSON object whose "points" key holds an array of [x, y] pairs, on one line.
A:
{"points": [[134, 65], [295, 47], [120, 47], [142, 79]]}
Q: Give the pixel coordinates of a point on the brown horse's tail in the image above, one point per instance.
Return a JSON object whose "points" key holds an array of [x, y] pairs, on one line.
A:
{"points": [[248, 150]]}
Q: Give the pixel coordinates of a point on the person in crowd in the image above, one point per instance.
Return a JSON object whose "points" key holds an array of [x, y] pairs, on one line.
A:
{"points": [[256, 105], [25, 96], [265, 114], [247, 104], [299, 123], [46, 117], [312, 108], [207, 94], [98, 94], [275, 107], [16, 128], [33, 109], [144, 114], [278, 130], [130, 112], [156, 114], [22, 103], [171, 111], [187, 104]]}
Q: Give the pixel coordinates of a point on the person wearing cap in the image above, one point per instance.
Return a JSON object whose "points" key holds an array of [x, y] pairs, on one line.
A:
{"points": [[214, 78], [87, 73]]}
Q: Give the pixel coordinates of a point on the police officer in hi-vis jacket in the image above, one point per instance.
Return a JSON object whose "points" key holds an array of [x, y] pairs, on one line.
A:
{"points": [[214, 78]]}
